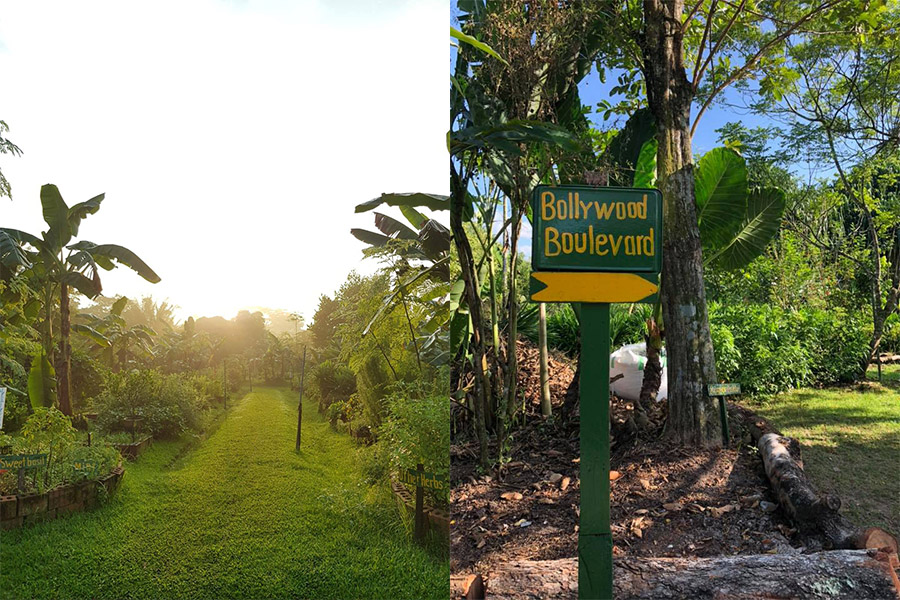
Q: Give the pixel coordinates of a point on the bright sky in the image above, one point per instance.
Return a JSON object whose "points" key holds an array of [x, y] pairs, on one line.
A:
{"points": [[232, 138]]}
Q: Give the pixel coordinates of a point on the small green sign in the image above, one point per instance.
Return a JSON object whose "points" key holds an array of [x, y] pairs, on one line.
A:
{"points": [[583, 228], [86, 466], [724, 389], [429, 481], [22, 461]]}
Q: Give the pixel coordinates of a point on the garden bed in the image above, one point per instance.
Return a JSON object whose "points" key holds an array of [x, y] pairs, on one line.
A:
{"points": [[132, 451], [19, 510], [438, 519]]}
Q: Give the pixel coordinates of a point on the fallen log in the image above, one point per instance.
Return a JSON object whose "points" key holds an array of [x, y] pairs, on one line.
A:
{"points": [[811, 512], [835, 575]]}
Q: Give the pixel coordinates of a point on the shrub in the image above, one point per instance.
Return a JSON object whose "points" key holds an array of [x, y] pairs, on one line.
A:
{"points": [[167, 404], [768, 349], [331, 381], [415, 430]]}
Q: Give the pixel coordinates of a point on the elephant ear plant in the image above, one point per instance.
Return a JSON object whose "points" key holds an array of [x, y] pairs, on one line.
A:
{"points": [[55, 264]]}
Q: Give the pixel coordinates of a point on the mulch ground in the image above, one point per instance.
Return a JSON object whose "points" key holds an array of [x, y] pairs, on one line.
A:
{"points": [[666, 501]]}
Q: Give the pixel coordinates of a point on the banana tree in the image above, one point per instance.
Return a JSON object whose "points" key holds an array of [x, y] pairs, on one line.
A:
{"points": [[57, 264], [111, 334], [421, 253]]}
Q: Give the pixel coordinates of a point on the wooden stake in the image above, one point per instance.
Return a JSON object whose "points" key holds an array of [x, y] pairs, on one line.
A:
{"points": [[420, 508]]}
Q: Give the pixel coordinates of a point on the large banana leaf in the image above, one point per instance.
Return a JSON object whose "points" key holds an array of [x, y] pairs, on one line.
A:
{"points": [[434, 240], [393, 228], [765, 208], [91, 334], [720, 184], [40, 378], [430, 201], [11, 254], [370, 237], [118, 306], [87, 286], [56, 215], [81, 210], [624, 150], [122, 255], [645, 168]]}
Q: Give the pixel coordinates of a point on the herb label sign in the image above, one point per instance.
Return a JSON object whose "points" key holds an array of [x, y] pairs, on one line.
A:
{"points": [[595, 246], [22, 461], [86, 466], [724, 389], [423, 479]]}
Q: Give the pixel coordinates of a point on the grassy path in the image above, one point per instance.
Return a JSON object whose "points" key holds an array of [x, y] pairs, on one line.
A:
{"points": [[242, 516]]}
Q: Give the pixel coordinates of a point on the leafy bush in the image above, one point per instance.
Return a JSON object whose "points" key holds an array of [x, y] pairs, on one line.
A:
{"points": [[167, 404], [415, 430], [331, 381], [769, 349]]}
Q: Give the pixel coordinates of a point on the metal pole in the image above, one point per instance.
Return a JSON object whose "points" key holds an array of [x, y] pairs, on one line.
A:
{"points": [[300, 404], [723, 416], [594, 536]]}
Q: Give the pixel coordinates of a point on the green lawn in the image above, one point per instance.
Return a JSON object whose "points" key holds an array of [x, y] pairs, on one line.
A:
{"points": [[241, 516], [851, 443]]}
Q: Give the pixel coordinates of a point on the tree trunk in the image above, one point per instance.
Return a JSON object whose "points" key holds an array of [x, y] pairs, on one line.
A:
{"points": [[470, 277], [653, 369], [693, 418], [64, 369], [838, 575], [546, 408]]}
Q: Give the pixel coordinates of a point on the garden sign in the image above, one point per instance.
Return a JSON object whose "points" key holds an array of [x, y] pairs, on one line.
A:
{"points": [[422, 480], [595, 246]]}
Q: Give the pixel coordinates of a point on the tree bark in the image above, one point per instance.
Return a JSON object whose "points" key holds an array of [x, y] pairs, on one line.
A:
{"points": [[692, 414], [64, 368], [837, 575]]}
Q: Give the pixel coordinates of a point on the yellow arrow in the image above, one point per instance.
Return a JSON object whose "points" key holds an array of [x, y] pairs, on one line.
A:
{"points": [[592, 287]]}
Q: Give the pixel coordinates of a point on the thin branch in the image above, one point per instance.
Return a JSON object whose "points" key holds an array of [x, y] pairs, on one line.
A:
{"points": [[699, 74], [709, 19], [759, 54]]}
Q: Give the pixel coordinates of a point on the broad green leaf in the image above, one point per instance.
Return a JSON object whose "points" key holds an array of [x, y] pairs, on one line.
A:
{"points": [[645, 169], [468, 39], [87, 286], [126, 257], [625, 148], [415, 218], [40, 380], [370, 237], [393, 228], [118, 306], [11, 254], [22, 237], [765, 208], [81, 210], [720, 184], [56, 215], [91, 334], [434, 240], [430, 201]]}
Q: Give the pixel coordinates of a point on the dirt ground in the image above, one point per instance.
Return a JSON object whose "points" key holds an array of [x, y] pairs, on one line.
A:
{"points": [[665, 501]]}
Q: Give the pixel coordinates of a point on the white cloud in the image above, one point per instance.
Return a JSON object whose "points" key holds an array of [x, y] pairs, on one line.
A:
{"points": [[232, 139]]}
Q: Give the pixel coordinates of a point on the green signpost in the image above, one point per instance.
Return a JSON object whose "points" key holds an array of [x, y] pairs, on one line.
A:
{"points": [[595, 246], [721, 390]]}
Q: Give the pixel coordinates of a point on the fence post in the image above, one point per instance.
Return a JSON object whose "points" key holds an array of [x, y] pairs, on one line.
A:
{"points": [[300, 404]]}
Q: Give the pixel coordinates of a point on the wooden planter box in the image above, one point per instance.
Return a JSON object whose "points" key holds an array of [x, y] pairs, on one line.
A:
{"points": [[132, 451], [16, 511], [438, 520]]}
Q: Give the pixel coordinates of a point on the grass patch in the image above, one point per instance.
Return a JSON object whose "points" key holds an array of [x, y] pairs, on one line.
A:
{"points": [[242, 516], [851, 443]]}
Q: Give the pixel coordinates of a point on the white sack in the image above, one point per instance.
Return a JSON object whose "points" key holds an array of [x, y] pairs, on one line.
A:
{"points": [[629, 361]]}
